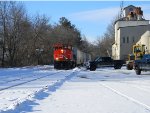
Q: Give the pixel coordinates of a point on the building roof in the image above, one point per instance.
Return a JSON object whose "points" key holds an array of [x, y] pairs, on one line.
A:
{"points": [[146, 34], [122, 19], [129, 6]]}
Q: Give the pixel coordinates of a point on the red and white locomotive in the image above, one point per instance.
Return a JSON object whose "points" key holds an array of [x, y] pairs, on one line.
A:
{"points": [[63, 56], [67, 57]]}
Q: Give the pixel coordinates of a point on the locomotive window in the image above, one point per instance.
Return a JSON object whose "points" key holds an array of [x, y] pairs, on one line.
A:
{"points": [[63, 47], [69, 47], [55, 48]]}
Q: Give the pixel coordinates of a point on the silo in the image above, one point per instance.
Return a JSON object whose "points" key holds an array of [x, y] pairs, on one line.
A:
{"points": [[145, 40]]}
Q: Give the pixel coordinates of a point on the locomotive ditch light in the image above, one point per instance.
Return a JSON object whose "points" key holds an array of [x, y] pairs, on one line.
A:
{"points": [[57, 58]]}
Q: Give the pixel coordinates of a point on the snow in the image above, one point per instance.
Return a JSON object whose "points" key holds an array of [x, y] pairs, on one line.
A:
{"points": [[42, 89]]}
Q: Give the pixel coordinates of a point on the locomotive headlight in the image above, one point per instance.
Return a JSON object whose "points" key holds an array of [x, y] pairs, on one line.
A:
{"points": [[62, 50], [57, 58]]}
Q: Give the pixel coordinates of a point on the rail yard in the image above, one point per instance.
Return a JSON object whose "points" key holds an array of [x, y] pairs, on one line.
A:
{"points": [[43, 89], [76, 83]]}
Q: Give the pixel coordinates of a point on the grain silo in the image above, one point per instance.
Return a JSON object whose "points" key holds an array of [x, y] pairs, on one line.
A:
{"points": [[145, 40]]}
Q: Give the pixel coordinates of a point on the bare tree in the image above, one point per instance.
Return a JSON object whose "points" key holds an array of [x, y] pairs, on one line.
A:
{"points": [[39, 39], [4, 6], [16, 18], [27, 41], [104, 43], [13, 19]]}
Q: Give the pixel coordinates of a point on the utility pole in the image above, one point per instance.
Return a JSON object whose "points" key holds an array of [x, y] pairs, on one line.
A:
{"points": [[121, 9]]}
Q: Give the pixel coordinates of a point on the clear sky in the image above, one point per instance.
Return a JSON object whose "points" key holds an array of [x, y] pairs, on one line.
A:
{"points": [[90, 17]]}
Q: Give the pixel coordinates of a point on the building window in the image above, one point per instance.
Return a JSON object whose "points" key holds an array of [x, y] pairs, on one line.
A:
{"points": [[127, 39], [123, 39], [130, 9], [133, 39]]}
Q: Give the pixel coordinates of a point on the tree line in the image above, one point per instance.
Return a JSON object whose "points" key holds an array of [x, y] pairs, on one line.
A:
{"points": [[29, 41]]}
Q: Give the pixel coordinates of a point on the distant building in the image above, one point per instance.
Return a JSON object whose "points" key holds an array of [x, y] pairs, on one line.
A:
{"points": [[145, 40], [128, 31]]}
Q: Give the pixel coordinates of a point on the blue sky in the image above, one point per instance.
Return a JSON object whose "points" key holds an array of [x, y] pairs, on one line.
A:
{"points": [[90, 17]]}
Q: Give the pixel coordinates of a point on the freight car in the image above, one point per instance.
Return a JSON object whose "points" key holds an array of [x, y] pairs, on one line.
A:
{"points": [[68, 57]]}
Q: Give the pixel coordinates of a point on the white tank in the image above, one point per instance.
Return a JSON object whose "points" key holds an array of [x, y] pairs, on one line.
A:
{"points": [[145, 39]]}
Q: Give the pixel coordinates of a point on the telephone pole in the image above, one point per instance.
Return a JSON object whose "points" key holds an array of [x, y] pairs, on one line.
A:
{"points": [[121, 9]]}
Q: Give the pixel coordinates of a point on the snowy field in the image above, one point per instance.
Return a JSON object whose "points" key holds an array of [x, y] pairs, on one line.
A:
{"points": [[42, 89]]}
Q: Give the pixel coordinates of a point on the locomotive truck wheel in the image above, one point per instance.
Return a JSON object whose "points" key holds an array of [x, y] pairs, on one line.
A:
{"points": [[56, 65]]}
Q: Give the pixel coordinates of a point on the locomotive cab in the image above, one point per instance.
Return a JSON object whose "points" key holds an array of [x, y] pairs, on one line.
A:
{"points": [[63, 56]]}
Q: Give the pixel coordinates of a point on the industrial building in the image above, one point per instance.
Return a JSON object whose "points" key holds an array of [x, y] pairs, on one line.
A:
{"points": [[145, 40], [128, 31]]}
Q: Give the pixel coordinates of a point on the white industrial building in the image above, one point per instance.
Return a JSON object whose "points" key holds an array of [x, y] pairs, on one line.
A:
{"points": [[128, 31], [145, 40]]}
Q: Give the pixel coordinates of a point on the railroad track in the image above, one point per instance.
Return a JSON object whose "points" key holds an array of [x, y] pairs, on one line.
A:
{"points": [[18, 78], [4, 87], [50, 87], [4, 77]]}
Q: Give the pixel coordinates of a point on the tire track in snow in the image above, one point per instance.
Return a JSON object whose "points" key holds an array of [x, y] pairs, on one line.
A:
{"points": [[127, 97], [133, 85], [58, 84]]}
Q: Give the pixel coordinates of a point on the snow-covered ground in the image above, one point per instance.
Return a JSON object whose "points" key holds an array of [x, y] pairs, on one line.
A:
{"points": [[42, 89]]}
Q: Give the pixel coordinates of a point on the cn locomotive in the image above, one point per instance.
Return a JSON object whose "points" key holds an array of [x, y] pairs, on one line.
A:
{"points": [[68, 57]]}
